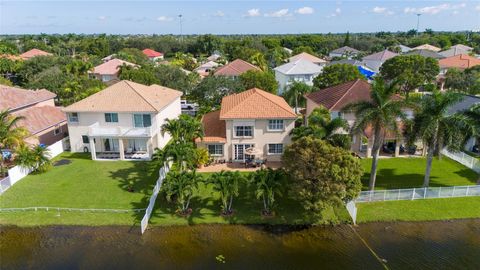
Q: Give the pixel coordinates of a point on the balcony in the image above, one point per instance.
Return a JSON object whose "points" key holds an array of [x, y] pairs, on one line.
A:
{"points": [[95, 130]]}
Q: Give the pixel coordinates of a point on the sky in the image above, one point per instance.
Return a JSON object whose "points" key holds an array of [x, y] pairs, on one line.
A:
{"points": [[234, 17]]}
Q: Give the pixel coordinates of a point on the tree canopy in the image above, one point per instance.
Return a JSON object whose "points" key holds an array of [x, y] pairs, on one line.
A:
{"points": [[337, 74], [259, 79]]}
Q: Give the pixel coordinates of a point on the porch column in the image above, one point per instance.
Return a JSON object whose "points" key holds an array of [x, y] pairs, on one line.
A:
{"points": [[397, 147], [92, 148], [149, 147], [121, 149]]}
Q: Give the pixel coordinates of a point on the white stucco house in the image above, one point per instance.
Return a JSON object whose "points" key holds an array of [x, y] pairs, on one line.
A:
{"points": [[123, 121], [299, 70]]}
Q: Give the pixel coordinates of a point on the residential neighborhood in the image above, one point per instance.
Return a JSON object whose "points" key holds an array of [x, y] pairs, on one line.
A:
{"points": [[243, 135]]}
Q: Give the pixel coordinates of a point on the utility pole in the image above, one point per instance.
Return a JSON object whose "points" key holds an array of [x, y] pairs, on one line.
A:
{"points": [[418, 21], [181, 34]]}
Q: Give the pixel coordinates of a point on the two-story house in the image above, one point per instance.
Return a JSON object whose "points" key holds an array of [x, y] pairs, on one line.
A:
{"points": [[337, 97], [109, 70], [122, 121], [300, 70], [45, 122], [250, 119]]}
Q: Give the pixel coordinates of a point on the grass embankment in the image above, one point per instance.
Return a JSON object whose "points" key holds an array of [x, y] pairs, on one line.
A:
{"points": [[419, 210], [395, 173]]}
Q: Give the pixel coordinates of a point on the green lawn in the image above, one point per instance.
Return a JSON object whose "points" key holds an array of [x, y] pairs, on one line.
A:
{"points": [[396, 173], [419, 210]]}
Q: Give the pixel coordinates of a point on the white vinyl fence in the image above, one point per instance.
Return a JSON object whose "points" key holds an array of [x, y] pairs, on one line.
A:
{"points": [[162, 174], [462, 158], [17, 173], [418, 193]]}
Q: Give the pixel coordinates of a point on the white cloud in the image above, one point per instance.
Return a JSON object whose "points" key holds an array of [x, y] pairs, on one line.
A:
{"points": [[102, 18], [305, 10], [382, 10], [337, 12], [164, 19], [432, 10], [219, 13], [279, 13], [477, 8], [254, 12]]}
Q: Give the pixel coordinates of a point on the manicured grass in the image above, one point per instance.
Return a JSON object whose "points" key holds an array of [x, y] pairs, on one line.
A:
{"points": [[396, 173], [419, 210]]}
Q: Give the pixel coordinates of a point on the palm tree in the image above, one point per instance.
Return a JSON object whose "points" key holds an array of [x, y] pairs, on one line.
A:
{"points": [[36, 158], [268, 183], [321, 126], [227, 184], [179, 187], [11, 135], [183, 129], [295, 92], [382, 113], [183, 155], [437, 128]]}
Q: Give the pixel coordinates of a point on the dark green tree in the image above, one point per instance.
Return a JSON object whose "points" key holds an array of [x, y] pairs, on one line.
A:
{"points": [[337, 74]]}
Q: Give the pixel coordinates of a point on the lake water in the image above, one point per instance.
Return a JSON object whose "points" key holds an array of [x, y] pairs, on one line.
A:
{"points": [[425, 245]]}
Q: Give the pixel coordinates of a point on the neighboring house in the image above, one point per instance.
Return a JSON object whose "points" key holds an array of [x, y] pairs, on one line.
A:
{"points": [[308, 57], [289, 51], [376, 60], [153, 55], [46, 123], [235, 68], [427, 47], [109, 70], [426, 53], [34, 52], [335, 98], [466, 103], [205, 68], [214, 57], [462, 47], [461, 62], [453, 51], [344, 51], [362, 67], [250, 119], [403, 48], [122, 121], [299, 70]]}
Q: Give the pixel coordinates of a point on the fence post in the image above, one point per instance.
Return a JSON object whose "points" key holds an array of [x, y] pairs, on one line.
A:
{"points": [[424, 192], [413, 194], [453, 191], [468, 189], [439, 191], [384, 194], [398, 196]]}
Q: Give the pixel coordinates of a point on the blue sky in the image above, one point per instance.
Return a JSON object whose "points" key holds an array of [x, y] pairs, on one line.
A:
{"points": [[234, 17]]}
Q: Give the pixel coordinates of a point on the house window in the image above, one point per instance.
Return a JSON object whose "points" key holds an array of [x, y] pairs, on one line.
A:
{"points": [[275, 148], [73, 117], [243, 131], [275, 124], [142, 120], [215, 149], [111, 117], [57, 130], [85, 139]]}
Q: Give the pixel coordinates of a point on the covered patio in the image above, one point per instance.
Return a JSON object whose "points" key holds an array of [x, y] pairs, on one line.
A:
{"points": [[111, 148]]}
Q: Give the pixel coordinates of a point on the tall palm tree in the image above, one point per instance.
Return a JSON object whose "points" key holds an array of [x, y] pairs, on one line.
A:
{"points": [[184, 129], [382, 113], [11, 135], [227, 184], [268, 183], [294, 94], [437, 128]]}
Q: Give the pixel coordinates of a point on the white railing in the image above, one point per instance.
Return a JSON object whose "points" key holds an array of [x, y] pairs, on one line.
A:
{"points": [[462, 158], [117, 131], [162, 174], [418, 193], [17, 173]]}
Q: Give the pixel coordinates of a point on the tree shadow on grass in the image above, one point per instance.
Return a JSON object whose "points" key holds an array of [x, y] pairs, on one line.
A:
{"points": [[141, 175]]}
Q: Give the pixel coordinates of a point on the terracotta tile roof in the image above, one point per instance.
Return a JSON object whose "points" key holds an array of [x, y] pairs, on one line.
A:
{"points": [[11, 57], [255, 104], [380, 56], [336, 97], [151, 53], [308, 57], [461, 61], [32, 53], [110, 67], [14, 98], [127, 96], [235, 68], [427, 47], [37, 119], [214, 128]]}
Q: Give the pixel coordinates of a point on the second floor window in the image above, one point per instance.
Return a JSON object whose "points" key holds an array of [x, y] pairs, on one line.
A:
{"points": [[111, 117], [275, 124], [243, 131], [142, 120], [73, 117]]}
